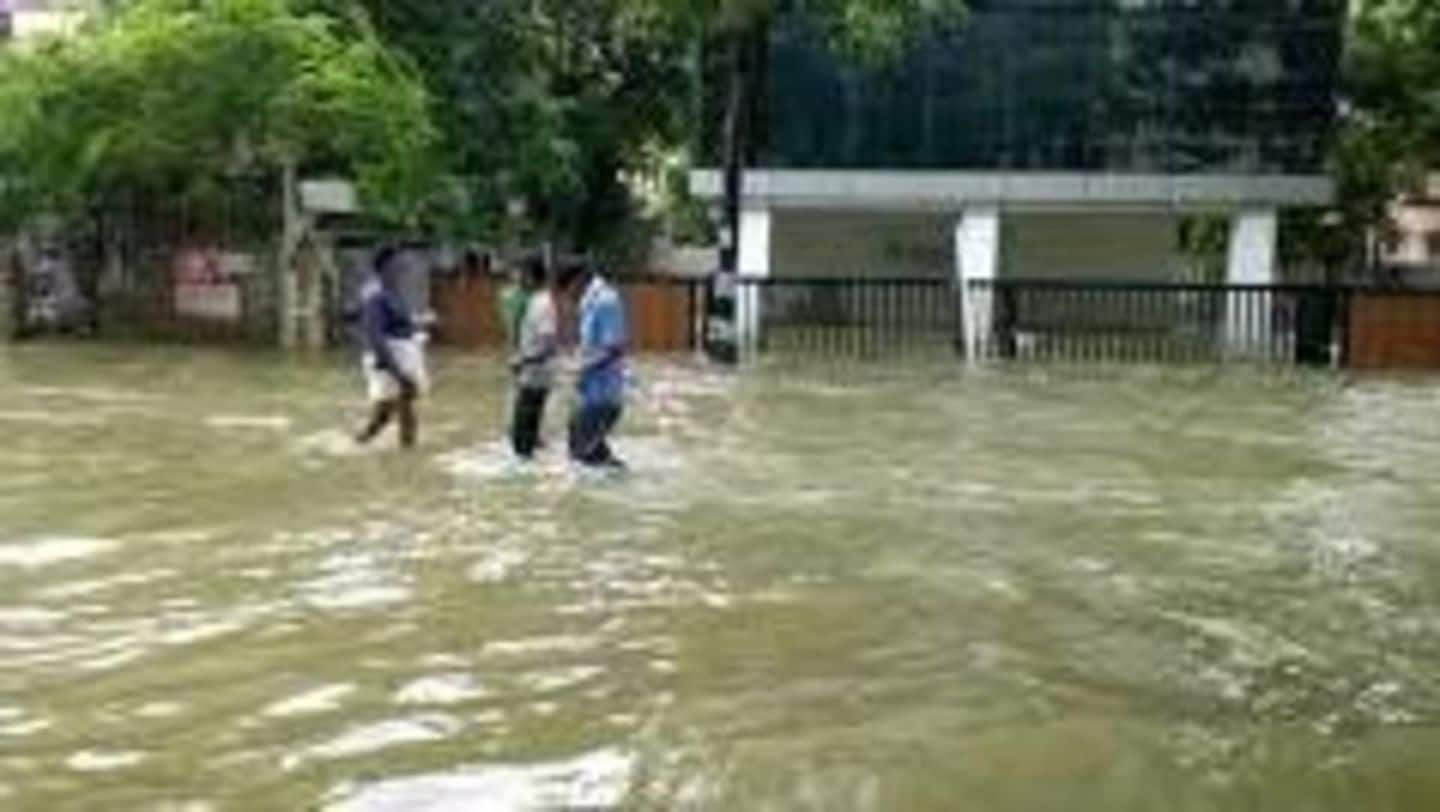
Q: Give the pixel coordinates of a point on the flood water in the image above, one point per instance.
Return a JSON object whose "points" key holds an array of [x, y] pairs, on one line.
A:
{"points": [[817, 590]]}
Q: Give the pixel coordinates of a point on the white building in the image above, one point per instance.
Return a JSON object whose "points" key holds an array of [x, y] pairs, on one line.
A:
{"points": [[1412, 240], [26, 20], [1043, 141]]}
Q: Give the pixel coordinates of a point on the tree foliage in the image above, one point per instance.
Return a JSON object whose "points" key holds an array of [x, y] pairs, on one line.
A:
{"points": [[1390, 134], [866, 30], [555, 102], [549, 102], [175, 96], [1394, 68]]}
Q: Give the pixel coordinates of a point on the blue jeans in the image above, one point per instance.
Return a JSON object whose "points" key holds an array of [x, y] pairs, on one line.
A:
{"points": [[590, 427]]}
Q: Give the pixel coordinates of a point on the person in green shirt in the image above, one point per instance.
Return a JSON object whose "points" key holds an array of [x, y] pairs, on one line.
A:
{"points": [[511, 304]]}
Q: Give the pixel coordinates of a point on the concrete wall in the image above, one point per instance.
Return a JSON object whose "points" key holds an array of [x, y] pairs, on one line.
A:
{"points": [[1132, 246]]}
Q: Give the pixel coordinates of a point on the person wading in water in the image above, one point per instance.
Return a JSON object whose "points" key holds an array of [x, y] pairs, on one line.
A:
{"points": [[603, 343], [511, 306], [534, 362], [394, 358]]}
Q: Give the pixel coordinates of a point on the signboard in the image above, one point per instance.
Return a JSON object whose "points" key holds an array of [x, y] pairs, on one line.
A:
{"points": [[206, 287], [329, 197]]}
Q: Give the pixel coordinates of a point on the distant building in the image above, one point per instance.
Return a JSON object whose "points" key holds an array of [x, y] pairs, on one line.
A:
{"points": [[22, 20], [1411, 241], [1058, 139]]}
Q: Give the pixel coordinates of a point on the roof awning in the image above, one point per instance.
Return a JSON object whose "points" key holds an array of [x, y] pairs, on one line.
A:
{"points": [[945, 191]]}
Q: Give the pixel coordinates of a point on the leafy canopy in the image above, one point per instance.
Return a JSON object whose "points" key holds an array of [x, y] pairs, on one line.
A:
{"points": [[555, 101], [869, 30], [172, 95]]}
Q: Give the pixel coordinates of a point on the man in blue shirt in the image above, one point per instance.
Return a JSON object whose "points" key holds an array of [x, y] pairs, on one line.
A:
{"points": [[603, 341], [394, 359]]}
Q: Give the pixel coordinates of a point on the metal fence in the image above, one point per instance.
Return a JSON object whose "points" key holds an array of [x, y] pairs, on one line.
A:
{"points": [[858, 318], [152, 266], [883, 319], [867, 319], [1157, 323]]}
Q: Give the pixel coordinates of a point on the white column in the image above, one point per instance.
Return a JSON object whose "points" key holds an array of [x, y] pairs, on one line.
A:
{"points": [[1249, 325], [977, 259], [755, 224]]}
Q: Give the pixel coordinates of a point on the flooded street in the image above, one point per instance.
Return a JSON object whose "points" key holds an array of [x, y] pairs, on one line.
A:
{"points": [[1140, 589]]}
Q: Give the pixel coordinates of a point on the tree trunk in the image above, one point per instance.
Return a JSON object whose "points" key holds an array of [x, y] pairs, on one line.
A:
{"points": [[736, 103]]}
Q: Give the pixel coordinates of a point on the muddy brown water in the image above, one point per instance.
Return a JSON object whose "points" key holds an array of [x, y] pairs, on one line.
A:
{"points": [[817, 590]]}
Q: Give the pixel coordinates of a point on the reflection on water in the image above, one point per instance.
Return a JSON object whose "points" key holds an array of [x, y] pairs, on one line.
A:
{"points": [[40, 552], [816, 589], [593, 781]]}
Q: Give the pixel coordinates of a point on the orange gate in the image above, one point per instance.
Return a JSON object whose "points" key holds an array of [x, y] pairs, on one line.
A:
{"points": [[663, 314], [1394, 330]]}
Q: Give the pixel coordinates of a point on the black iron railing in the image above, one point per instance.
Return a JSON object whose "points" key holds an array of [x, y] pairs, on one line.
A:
{"points": [[880, 318], [1157, 323], [855, 318]]}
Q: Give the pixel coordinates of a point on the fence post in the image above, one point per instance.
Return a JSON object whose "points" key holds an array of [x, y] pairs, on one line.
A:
{"points": [[755, 225], [1314, 326], [1346, 340], [9, 293], [290, 236], [694, 326], [1251, 269], [977, 257], [1007, 317], [956, 317]]}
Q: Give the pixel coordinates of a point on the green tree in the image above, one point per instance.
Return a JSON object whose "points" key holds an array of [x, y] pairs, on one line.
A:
{"points": [[549, 102], [1390, 134], [177, 96], [554, 102]]}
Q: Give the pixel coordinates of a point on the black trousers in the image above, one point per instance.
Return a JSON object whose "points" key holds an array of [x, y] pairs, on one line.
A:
{"points": [[525, 421], [590, 429]]}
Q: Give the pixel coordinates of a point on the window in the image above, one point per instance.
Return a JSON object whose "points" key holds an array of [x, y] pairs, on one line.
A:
{"points": [[1391, 241], [1432, 246], [1074, 85]]}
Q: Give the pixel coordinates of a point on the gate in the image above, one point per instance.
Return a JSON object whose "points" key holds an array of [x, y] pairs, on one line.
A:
{"points": [[153, 266], [664, 314], [1394, 330]]}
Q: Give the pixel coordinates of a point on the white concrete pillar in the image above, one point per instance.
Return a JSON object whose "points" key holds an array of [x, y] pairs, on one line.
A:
{"points": [[754, 261], [977, 259], [1249, 318]]}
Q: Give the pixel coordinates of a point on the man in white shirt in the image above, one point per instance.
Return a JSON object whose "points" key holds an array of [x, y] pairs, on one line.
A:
{"points": [[534, 362]]}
